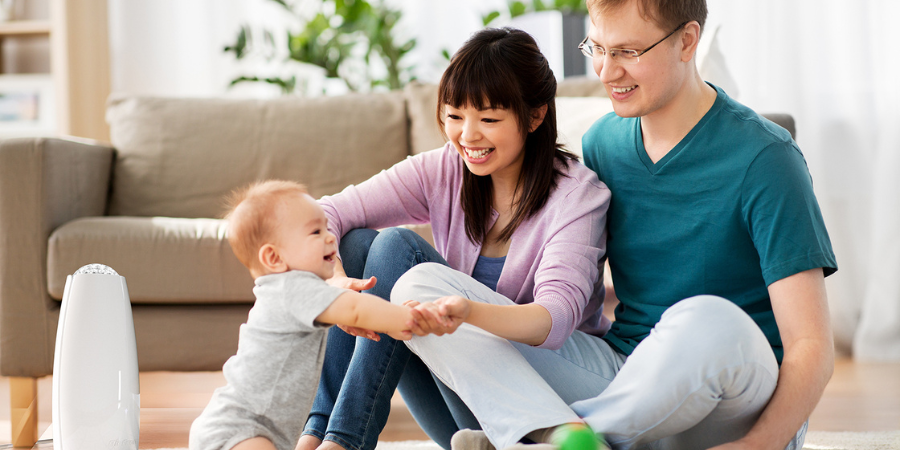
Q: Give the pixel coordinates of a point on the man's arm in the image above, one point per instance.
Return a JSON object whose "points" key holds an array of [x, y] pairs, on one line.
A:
{"points": [[801, 310]]}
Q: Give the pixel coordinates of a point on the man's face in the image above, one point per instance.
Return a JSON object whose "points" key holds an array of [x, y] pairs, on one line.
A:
{"points": [[649, 85]]}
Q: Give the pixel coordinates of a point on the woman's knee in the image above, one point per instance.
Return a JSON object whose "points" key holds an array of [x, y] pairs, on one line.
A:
{"points": [[354, 250], [424, 282], [395, 240]]}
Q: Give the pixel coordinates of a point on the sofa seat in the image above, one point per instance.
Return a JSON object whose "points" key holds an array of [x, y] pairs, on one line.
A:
{"points": [[163, 259]]}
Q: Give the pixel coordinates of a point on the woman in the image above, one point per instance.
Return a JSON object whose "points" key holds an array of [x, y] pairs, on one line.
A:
{"points": [[508, 208]]}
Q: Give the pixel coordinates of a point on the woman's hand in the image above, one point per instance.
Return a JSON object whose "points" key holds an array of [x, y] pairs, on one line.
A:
{"points": [[440, 317], [355, 284]]}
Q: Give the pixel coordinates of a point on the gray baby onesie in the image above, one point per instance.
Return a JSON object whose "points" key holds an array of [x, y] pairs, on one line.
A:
{"points": [[272, 380]]}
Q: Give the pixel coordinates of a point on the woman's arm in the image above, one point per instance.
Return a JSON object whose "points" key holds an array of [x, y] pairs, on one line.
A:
{"points": [[397, 196], [528, 324], [801, 310]]}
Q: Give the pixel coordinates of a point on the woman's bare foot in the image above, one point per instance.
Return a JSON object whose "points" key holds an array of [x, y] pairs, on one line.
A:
{"points": [[308, 442], [330, 445]]}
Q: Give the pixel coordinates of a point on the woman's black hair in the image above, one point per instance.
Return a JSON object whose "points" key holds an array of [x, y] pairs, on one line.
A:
{"points": [[504, 68]]}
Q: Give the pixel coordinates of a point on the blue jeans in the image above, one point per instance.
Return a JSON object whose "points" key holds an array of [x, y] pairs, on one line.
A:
{"points": [[359, 376]]}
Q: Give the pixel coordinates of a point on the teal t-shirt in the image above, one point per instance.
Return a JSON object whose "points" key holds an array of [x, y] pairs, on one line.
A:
{"points": [[727, 212]]}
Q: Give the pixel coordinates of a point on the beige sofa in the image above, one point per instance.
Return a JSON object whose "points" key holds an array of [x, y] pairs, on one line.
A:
{"points": [[146, 207]]}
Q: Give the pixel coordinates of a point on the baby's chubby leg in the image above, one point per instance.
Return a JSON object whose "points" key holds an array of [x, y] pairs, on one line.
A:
{"points": [[257, 443]]}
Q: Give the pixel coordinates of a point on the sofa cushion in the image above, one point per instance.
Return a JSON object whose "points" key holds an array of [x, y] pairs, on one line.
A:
{"points": [[163, 260], [421, 103], [178, 157], [575, 115]]}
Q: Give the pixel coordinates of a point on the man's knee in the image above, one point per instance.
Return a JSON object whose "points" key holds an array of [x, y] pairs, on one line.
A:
{"points": [[716, 328]]}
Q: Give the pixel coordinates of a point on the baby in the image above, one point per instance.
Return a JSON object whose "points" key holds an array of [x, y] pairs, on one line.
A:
{"points": [[280, 233]]}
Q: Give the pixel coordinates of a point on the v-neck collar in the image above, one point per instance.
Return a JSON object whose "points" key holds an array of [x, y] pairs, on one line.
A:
{"points": [[656, 167]]}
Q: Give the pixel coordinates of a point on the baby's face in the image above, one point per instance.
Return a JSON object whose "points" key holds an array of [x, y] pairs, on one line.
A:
{"points": [[304, 241]]}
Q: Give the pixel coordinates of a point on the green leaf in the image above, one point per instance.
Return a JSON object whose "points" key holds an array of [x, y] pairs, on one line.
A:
{"points": [[489, 17], [240, 46], [516, 9]]}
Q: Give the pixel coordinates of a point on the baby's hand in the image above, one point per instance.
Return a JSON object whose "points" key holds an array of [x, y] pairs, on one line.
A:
{"points": [[404, 335]]}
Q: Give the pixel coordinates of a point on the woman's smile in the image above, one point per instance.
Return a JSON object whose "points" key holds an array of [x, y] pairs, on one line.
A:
{"points": [[478, 155]]}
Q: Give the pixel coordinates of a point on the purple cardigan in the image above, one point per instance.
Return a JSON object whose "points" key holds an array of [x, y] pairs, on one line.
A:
{"points": [[554, 258]]}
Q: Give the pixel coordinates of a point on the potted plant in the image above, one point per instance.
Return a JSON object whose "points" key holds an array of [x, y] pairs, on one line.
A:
{"points": [[345, 38]]}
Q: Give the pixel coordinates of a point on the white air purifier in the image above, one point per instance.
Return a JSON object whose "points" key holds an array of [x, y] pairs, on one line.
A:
{"points": [[96, 390]]}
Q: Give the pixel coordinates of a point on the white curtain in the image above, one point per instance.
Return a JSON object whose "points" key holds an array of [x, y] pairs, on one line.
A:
{"points": [[833, 64]]}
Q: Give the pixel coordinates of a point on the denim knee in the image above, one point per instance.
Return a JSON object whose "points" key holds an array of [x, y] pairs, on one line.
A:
{"points": [[392, 241], [354, 250]]}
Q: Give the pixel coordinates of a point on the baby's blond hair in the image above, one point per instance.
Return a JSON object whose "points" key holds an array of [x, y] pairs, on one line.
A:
{"points": [[252, 220]]}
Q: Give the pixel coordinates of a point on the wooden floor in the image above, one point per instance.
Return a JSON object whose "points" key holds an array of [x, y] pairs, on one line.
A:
{"points": [[860, 397]]}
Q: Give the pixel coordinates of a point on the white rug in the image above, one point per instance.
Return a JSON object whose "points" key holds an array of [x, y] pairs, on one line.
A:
{"points": [[815, 440]]}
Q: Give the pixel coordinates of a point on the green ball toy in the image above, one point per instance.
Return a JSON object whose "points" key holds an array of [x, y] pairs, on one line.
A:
{"points": [[576, 436]]}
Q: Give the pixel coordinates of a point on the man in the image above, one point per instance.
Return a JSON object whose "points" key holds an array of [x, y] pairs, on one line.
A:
{"points": [[707, 198], [718, 253]]}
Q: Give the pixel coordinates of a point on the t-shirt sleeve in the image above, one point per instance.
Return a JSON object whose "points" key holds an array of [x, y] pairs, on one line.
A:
{"points": [[308, 296], [782, 214]]}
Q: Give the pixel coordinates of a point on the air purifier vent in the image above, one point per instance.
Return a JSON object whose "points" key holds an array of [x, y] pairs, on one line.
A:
{"points": [[96, 269]]}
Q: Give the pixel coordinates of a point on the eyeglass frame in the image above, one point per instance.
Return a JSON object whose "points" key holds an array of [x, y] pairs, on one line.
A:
{"points": [[587, 50]]}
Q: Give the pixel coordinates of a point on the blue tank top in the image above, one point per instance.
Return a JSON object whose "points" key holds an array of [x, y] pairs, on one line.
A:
{"points": [[487, 270]]}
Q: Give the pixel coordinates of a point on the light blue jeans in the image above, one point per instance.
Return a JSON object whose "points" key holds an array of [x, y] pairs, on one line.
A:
{"points": [[359, 376], [701, 378]]}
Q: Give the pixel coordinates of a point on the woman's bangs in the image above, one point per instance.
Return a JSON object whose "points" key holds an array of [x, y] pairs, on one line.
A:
{"points": [[487, 88]]}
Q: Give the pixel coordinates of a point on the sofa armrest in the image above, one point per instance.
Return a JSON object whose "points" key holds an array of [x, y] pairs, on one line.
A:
{"points": [[786, 121], [43, 184]]}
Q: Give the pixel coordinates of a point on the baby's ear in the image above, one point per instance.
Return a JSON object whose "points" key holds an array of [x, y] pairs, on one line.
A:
{"points": [[271, 260]]}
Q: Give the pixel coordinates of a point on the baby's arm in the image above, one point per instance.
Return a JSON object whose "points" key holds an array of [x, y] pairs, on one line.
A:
{"points": [[370, 312]]}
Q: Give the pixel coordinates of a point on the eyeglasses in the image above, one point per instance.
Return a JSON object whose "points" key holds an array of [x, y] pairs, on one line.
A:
{"points": [[620, 55]]}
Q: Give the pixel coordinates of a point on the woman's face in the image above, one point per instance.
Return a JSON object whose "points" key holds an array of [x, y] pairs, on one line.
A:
{"points": [[489, 141]]}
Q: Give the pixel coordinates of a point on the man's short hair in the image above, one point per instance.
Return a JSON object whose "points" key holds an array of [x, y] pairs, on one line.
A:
{"points": [[251, 217], [666, 13]]}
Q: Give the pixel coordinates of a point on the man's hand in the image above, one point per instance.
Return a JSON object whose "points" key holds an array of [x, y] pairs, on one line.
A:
{"points": [[355, 284]]}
